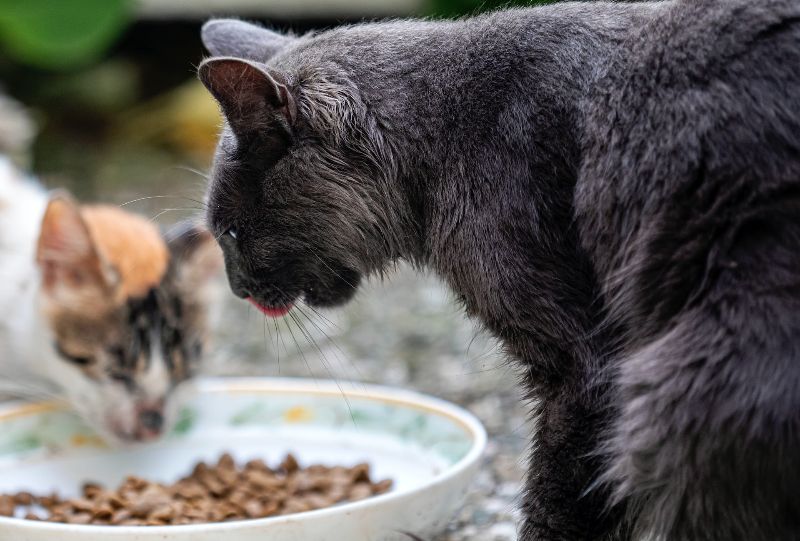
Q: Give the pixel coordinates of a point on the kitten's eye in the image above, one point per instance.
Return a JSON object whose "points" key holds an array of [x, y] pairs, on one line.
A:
{"points": [[232, 232], [74, 359], [197, 348], [125, 379]]}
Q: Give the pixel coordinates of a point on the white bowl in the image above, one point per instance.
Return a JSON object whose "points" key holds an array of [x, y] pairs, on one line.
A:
{"points": [[430, 448]]}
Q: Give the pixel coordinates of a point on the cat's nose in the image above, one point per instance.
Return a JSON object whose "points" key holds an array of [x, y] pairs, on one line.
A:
{"points": [[151, 421]]}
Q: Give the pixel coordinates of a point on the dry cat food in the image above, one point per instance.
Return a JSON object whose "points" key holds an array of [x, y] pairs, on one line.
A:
{"points": [[212, 493]]}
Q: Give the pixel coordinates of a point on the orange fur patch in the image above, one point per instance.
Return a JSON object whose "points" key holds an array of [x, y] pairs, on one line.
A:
{"points": [[132, 244]]}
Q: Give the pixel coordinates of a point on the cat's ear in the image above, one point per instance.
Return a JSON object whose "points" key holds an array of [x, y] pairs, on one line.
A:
{"points": [[197, 258], [231, 37], [72, 269], [253, 98]]}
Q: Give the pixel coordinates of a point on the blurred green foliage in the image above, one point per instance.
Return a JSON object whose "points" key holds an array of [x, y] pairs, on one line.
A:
{"points": [[60, 34], [457, 8]]}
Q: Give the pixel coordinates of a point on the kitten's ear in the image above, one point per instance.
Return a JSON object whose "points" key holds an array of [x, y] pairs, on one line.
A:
{"points": [[231, 37], [196, 255], [253, 98], [69, 261]]}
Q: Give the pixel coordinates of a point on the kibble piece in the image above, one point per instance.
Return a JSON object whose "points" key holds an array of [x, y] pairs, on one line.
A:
{"points": [[360, 473], [47, 501], [226, 462], [289, 464], [91, 490], [7, 506], [150, 498], [256, 465], [318, 501], [295, 506], [163, 512], [188, 489], [80, 518], [120, 516], [254, 509], [360, 491], [263, 480], [102, 512], [82, 504], [382, 487], [23, 498]]}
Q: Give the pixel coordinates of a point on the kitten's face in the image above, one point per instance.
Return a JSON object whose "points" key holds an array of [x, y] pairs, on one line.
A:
{"points": [[126, 314]]}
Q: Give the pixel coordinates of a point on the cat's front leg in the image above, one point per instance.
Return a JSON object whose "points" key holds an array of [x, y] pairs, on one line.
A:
{"points": [[560, 502]]}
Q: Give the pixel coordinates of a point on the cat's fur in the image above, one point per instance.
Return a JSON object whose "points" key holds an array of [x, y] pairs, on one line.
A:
{"points": [[612, 189], [99, 308]]}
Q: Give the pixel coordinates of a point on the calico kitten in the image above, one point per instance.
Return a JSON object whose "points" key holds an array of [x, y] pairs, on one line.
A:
{"points": [[612, 188], [99, 307]]}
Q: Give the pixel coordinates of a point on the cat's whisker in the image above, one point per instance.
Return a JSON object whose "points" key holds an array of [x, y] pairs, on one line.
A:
{"points": [[302, 355], [320, 314], [344, 356], [311, 340], [332, 270], [266, 346], [283, 342], [341, 357], [277, 349]]}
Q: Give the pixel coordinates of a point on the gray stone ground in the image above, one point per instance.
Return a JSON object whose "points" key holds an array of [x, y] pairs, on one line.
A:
{"points": [[407, 332]]}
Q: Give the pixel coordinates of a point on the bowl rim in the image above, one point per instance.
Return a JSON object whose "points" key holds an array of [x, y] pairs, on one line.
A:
{"points": [[284, 385]]}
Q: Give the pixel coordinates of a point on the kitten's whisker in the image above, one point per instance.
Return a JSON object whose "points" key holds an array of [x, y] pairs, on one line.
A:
{"points": [[22, 388], [197, 172], [149, 197], [164, 211]]}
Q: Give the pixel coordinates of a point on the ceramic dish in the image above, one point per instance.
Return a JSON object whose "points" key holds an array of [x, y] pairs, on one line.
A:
{"points": [[430, 448]]}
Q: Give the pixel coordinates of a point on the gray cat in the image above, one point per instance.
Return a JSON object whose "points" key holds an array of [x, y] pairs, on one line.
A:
{"points": [[612, 189]]}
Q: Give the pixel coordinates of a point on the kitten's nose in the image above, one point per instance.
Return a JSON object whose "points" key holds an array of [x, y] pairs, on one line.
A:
{"points": [[151, 421]]}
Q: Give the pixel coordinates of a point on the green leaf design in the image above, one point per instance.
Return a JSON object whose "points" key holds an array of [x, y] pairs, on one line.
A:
{"points": [[249, 415], [21, 443], [60, 34], [186, 420]]}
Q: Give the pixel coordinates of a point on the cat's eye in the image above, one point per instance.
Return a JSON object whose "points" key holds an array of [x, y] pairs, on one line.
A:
{"points": [[74, 359], [232, 232]]}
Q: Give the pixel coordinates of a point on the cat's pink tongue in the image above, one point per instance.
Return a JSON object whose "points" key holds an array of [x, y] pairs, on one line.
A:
{"points": [[271, 312]]}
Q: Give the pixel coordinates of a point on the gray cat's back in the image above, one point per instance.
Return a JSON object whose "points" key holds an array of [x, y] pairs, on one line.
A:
{"points": [[704, 102], [688, 202]]}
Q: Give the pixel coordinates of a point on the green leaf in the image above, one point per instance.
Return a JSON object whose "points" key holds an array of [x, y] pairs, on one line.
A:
{"points": [[60, 34], [458, 8]]}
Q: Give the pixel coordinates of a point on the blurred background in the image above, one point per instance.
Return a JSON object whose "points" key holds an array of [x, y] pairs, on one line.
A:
{"points": [[100, 97]]}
